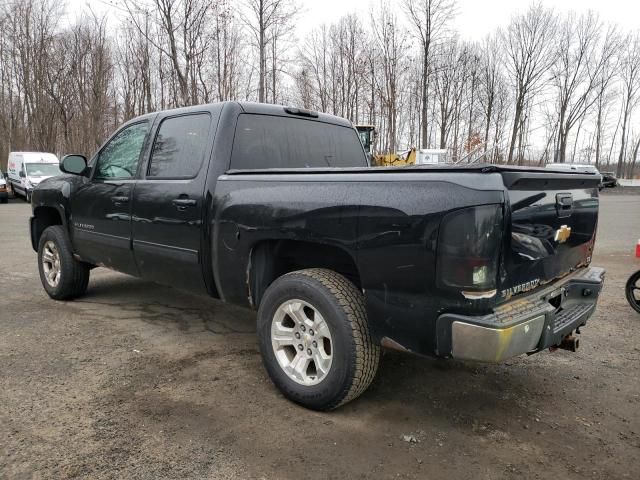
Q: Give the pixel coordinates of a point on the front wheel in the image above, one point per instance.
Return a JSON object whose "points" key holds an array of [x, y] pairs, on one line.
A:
{"points": [[632, 291], [314, 338], [62, 276]]}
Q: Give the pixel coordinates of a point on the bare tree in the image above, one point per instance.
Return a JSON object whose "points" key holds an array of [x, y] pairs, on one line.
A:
{"points": [[529, 50], [490, 79], [227, 51], [66, 82], [449, 65], [604, 93], [630, 79], [181, 26], [429, 19], [92, 72], [391, 52], [582, 55], [315, 59], [268, 21], [633, 159]]}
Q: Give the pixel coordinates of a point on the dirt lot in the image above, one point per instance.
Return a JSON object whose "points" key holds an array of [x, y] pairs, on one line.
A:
{"points": [[139, 381]]}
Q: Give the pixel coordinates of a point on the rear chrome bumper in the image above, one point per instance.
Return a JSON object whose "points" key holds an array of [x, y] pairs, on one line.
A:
{"points": [[529, 324], [490, 344]]}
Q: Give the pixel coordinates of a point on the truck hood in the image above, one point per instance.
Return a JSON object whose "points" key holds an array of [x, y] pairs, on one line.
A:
{"points": [[37, 180]]}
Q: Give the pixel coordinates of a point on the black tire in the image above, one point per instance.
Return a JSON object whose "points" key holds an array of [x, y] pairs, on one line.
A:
{"points": [[354, 355], [632, 291], [5, 200], [74, 275]]}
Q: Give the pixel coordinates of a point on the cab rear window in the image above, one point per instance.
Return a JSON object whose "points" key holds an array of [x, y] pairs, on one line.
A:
{"points": [[266, 141]]}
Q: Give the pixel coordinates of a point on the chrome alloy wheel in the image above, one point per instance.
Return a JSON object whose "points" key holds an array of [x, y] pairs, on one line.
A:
{"points": [[302, 342], [51, 263]]}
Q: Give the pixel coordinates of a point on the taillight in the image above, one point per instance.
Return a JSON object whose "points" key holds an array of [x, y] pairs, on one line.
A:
{"points": [[469, 248]]}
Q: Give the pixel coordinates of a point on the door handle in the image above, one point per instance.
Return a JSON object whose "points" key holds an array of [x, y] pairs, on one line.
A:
{"points": [[184, 202], [118, 199]]}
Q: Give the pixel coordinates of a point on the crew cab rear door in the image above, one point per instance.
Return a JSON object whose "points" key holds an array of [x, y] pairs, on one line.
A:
{"points": [[168, 201]]}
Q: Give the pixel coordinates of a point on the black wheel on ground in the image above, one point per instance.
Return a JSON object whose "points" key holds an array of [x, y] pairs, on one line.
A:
{"points": [[14, 193], [632, 290], [314, 338], [62, 276], [5, 200]]}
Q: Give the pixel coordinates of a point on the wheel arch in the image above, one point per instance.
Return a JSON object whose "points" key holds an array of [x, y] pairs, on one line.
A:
{"points": [[270, 259], [44, 217]]}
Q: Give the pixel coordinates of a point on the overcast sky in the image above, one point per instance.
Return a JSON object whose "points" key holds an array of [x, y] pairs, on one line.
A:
{"points": [[475, 18]]}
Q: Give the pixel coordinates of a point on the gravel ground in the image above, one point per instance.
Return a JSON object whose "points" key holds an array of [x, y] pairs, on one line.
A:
{"points": [[139, 381]]}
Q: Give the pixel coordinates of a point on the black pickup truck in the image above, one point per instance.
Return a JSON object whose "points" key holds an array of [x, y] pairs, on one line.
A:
{"points": [[276, 209]]}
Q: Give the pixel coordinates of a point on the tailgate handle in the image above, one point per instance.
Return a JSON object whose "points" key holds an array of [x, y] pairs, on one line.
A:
{"points": [[564, 204], [118, 199]]}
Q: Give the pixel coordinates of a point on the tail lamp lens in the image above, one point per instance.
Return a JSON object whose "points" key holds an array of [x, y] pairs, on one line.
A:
{"points": [[469, 247]]}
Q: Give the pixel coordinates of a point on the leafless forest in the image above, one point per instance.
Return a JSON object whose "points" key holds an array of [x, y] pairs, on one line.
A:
{"points": [[547, 87]]}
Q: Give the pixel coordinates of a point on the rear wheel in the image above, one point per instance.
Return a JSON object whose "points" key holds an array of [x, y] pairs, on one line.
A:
{"points": [[315, 340], [632, 291], [62, 276]]}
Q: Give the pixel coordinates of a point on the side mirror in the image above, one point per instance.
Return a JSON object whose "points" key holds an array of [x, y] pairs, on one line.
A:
{"points": [[74, 164], [21, 174]]}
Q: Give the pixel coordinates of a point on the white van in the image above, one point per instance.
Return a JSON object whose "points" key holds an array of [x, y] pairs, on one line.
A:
{"points": [[25, 170]]}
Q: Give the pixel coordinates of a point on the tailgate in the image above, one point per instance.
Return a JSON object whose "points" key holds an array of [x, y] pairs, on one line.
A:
{"points": [[552, 220]]}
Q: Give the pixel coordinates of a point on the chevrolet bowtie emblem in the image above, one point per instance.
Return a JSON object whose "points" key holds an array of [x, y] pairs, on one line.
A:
{"points": [[562, 234]]}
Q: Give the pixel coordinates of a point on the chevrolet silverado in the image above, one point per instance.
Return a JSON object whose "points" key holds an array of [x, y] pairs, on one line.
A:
{"points": [[276, 209]]}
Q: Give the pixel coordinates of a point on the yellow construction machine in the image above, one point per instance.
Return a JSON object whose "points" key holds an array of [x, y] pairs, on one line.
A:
{"points": [[367, 135], [407, 157]]}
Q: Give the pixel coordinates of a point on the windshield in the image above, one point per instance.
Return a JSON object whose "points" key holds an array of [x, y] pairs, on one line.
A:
{"points": [[42, 169]]}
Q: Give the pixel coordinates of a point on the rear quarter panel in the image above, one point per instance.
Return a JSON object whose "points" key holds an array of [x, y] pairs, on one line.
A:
{"points": [[387, 222]]}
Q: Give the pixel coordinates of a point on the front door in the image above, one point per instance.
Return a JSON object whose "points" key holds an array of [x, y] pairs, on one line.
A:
{"points": [[101, 206], [168, 203]]}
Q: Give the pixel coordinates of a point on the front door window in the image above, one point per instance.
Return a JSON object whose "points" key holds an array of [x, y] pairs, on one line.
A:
{"points": [[119, 158]]}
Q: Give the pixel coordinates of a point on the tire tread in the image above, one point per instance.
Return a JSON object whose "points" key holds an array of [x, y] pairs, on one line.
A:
{"points": [[78, 280], [367, 353]]}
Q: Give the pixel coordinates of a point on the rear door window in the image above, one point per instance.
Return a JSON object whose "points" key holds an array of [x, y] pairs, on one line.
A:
{"points": [[179, 146], [265, 141]]}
